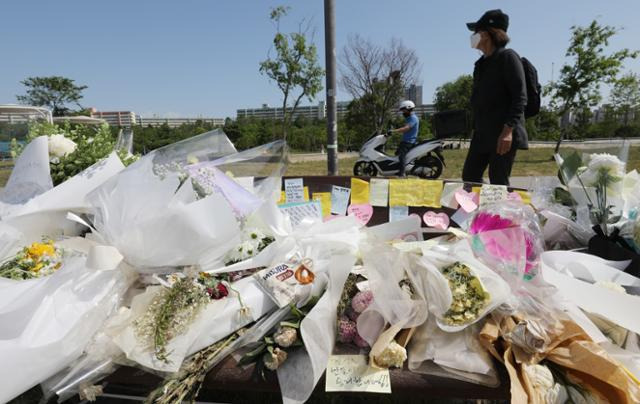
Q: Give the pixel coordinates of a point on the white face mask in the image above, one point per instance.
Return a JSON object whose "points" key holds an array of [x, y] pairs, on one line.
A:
{"points": [[475, 40]]}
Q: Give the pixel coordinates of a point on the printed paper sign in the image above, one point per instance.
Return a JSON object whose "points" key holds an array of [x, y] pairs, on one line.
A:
{"points": [[294, 190], [362, 212], [351, 373], [298, 211], [398, 213], [379, 192], [492, 193], [339, 200], [359, 191], [325, 202]]}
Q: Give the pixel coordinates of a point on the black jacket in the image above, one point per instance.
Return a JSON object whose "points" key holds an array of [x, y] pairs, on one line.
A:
{"points": [[499, 98]]}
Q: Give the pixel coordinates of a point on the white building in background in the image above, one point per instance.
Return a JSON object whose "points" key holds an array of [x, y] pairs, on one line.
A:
{"points": [[308, 111], [116, 118], [413, 93], [176, 122]]}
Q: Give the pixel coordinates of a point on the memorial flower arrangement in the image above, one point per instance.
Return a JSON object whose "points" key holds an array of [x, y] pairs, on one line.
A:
{"points": [[175, 307], [469, 297], [73, 148], [34, 261], [273, 350], [352, 303], [253, 242]]}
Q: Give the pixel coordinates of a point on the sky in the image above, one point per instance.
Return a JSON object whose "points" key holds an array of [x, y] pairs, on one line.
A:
{"points": [[192, 58]]}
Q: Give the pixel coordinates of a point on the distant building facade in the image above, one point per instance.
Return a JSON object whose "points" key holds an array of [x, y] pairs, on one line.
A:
{"points": [[176, 122], [413, 93], [308, 111], [116, 118]]}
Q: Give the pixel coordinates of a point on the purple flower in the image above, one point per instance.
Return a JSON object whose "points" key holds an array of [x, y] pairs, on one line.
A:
{"points": [[346, 330], [361, 301]]}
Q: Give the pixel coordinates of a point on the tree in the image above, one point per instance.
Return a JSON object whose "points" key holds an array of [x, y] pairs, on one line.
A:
{"points": [[455, 94], [53, 92], [376, 76], [294, 68], [625, 95], [580, 79]]}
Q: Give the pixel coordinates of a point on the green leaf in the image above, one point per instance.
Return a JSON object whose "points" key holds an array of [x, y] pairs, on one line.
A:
{"points": [[570, 167]]}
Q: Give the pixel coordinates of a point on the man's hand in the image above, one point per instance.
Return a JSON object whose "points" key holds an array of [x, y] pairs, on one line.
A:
{"points": [[504, 140]]}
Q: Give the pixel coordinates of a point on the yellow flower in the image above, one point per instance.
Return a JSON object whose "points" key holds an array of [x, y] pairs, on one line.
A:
{"points": [[37, 268], [37, 250]]}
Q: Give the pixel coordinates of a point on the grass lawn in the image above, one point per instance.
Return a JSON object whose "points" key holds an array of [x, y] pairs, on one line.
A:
{"points": [[533, 162]]}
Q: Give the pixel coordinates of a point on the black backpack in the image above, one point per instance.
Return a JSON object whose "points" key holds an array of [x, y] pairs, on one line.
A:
{"points": [[533, 89]]}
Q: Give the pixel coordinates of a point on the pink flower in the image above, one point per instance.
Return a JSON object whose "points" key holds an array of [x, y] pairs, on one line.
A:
{"points": [[361, 301], [486, 221], [346, 330]]}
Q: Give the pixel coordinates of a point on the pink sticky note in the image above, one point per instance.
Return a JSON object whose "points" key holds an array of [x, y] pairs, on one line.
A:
{"points": [[362, 212], [468, 201], [514, 196], [437, 220]]}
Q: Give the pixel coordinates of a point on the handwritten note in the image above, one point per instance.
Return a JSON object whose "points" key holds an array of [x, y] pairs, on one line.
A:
{"points": [[359, 191], [299, 211], [492, 194], [363, 212], [294, 190], [351, 373], [415, 192], [339, 200], [378, 192], [325, 201], [398, 213], [283, 197]]}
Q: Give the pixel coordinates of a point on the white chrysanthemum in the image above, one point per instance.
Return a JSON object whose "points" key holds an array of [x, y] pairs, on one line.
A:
{"points": [[255, 235], [393, 355], [60, 146], [611, 286], [599, 162]]}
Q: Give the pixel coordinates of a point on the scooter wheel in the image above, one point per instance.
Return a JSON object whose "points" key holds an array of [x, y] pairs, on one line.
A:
{"points": [[364, 169], [428, 167]]}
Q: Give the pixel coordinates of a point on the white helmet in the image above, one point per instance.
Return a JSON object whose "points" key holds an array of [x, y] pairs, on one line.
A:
{"points": [[407, 104]]}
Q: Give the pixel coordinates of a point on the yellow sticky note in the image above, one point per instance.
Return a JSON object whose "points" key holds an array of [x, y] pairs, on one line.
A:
{"points": [[359, 191], [415, 192], [432, 192], [283, 197], [476, 190], [526, 196], [325, 202]]}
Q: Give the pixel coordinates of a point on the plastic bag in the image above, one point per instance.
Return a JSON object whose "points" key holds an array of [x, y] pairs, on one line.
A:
{"points": [[438, 290], [30, 177], [386, 269], [454, 355]]}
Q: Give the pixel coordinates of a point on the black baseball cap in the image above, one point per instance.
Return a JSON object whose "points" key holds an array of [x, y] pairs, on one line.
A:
{"points": [[491, 19]]}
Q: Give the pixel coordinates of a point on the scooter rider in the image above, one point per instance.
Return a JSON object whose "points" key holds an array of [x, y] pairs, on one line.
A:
{"points": [[409, 133]]}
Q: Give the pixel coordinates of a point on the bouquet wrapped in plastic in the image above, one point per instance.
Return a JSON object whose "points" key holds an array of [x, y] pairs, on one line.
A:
{"points": [[55, 295]]}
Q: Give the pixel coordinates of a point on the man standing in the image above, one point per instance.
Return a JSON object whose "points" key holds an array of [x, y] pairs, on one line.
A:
{"points": [[498, 101], [409, 133]]}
